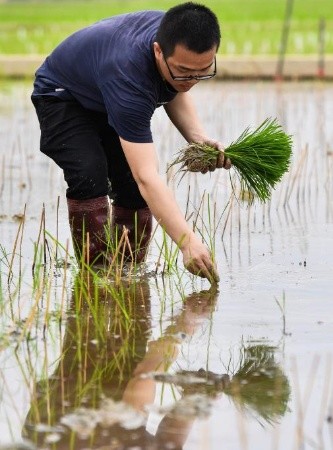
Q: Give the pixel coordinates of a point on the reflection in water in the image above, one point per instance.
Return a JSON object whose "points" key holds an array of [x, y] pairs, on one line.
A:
{"points": [[98, 395], [107, 374], [259, 385]]}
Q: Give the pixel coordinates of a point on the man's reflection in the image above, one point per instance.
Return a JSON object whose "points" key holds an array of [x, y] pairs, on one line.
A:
{"points": [[109, 368], [98, 395]]}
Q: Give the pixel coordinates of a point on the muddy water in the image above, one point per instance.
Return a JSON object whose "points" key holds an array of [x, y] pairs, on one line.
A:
{"points": [[161, 361]]}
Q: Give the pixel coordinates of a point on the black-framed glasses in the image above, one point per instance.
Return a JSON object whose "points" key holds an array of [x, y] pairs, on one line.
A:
{"points": [[191, 77]]}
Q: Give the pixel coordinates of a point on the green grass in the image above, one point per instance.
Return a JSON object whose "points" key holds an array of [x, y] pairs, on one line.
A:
{"points": [[248, 26]]}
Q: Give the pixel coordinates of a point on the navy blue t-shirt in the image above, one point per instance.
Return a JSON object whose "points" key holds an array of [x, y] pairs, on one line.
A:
{"points": [[110, 67]]}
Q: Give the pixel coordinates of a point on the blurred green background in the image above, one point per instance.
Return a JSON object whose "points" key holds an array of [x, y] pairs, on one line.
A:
{"points": [[248, 26]]}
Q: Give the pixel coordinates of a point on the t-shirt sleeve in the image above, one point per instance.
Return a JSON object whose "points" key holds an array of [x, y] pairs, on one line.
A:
{"points": [[129, 110]]}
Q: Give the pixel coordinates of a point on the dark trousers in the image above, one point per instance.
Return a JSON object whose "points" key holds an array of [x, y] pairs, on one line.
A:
{"points": [[88, 150]]}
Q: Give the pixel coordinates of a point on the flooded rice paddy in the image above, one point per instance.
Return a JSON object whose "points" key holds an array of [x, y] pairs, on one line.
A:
{"points": [[158, 359]]}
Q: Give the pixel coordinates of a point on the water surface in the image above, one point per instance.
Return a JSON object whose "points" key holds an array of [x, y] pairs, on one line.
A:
{"points": [[161, 360]]}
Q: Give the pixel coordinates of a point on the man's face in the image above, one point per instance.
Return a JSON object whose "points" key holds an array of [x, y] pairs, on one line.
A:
{"points": [[184, 63]]}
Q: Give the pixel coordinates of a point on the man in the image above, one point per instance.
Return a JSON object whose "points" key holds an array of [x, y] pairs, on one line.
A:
{"points": [[95, 96]]}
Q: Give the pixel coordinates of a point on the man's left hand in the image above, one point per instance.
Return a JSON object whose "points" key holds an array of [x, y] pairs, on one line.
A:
{"points": [[222, 161]]}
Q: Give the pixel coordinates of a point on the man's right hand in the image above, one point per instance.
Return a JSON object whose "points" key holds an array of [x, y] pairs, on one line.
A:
{"points": [[198, 260]]}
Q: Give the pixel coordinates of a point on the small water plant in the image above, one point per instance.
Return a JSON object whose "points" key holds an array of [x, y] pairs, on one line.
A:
{"points": [[259, 157]]}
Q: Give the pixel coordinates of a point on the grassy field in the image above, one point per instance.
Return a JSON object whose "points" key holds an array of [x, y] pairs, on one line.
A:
{"points": [[248, 26]]}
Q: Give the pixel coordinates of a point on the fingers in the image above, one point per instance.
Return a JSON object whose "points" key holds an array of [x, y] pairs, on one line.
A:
{"points": [[198, 259], [227, 164], [204, 270], [223, 161]]}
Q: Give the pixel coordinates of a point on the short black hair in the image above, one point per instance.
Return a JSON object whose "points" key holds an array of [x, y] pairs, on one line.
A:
{"points": [[190, 24]]}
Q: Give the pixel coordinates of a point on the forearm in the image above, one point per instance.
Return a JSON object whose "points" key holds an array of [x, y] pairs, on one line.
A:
{"points": [[143, 163], [164, 207], [182, 113]]}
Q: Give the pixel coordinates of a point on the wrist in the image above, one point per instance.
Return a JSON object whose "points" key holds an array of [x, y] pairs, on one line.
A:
{"points": [[186, 241], [198, 138]]}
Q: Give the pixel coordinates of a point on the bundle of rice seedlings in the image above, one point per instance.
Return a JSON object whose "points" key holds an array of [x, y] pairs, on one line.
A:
{"points": [[259, 157], [260, 385]]}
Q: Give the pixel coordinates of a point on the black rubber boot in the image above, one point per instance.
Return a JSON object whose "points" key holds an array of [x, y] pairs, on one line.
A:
{"points": [[138, 224], [89, 221]]}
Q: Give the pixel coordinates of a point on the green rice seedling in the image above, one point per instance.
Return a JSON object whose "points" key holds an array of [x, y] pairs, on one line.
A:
{"points": [[168, 256], [259, 157], [17, 244], [208, 227]]}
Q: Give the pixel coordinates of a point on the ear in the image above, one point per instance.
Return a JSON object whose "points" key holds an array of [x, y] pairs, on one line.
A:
{"points": [[157, 51]]}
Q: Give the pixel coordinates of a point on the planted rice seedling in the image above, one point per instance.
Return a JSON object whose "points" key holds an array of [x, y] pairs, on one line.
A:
{"points": [[260, 158], [248, 25]]}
